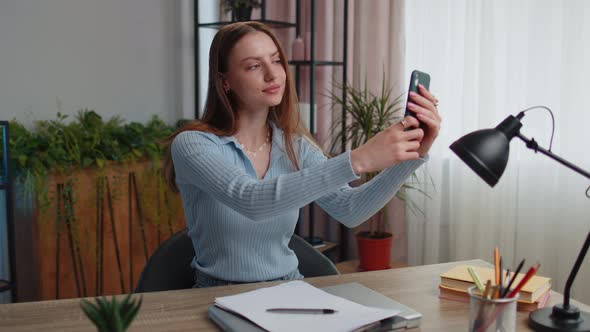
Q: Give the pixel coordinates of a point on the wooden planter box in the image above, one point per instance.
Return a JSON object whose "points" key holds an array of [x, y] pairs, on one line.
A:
{"points": [[82, 260]]}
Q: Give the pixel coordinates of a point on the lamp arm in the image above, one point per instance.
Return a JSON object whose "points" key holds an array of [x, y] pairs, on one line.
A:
{"points": [[533, 145]]}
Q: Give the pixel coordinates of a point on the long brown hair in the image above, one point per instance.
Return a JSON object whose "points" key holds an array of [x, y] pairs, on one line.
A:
{"points": [[220, 117]]}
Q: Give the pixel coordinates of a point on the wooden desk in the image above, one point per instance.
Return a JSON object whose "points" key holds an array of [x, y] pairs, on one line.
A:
{"points": [[351, 266], [186, 310]]}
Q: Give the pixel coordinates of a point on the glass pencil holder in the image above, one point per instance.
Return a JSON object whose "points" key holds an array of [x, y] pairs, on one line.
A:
{"points": [[491, 315]]}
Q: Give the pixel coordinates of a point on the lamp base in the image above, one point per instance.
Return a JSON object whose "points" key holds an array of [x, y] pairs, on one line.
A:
{"points": [[560, 319]]}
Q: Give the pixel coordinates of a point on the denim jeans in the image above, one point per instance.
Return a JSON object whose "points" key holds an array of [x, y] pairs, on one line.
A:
{"points": [[203, 280]]}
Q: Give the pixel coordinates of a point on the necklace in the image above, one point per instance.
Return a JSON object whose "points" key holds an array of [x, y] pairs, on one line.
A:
{"points": [[255, 151]]}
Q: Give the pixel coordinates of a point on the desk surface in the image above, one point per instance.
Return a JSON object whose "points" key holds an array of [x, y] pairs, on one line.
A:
{"points": [[186, 310]]}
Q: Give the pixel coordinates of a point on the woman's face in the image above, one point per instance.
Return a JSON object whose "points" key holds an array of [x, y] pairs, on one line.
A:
{"points": [[255, 75]]}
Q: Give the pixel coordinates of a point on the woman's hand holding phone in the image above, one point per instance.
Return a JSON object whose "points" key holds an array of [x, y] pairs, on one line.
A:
{"points": [[424, 106], [408, 139], [421, 104], [388, 147]]}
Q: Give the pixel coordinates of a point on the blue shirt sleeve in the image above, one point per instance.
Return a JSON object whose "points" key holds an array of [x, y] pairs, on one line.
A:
{"points": [[198, 161], [352, 206]]}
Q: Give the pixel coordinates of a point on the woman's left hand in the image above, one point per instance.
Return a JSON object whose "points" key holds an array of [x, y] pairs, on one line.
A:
{"points": [[424, 105]]}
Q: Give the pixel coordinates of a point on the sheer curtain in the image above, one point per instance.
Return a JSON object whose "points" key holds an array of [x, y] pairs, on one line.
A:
{"points": [[489, 59]]}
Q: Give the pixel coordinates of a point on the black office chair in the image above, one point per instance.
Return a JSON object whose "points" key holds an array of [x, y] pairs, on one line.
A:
{"points": [[312, 263], [169, 267]]}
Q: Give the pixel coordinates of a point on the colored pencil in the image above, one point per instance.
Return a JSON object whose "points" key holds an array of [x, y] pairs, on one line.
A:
{"points": [[530, 273], [520, 265], [497, 265], [475, 278]]}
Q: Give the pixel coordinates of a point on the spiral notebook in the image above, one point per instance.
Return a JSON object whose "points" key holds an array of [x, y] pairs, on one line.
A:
{"points": [[405, 318]]}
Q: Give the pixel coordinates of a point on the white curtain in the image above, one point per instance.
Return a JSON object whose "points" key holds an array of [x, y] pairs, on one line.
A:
{"points": [[489, 59]]}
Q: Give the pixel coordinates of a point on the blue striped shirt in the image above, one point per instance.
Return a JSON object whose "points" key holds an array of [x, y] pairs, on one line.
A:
{"points": [[240, 225]]}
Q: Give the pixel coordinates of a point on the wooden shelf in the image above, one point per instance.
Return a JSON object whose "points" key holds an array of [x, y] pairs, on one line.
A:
{"points": [[328, 246], [352, 265]]}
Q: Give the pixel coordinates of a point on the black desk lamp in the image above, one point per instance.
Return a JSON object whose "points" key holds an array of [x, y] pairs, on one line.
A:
{"points": [[486, 152]]}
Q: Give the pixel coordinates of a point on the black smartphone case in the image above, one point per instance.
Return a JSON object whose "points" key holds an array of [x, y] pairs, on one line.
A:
{"points": [[416, 78]]}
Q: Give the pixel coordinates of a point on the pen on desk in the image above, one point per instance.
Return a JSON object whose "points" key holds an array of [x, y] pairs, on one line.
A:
{"points": [[530, 273], [301, 311], [475, 278], [518, 268]]}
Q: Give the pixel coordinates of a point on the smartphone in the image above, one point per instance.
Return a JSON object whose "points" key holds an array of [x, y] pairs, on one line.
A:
{"points": [[416, 78]]}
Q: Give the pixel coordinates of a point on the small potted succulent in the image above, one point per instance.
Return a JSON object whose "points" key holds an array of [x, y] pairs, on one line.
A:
{"points": [[241, 10], [111, 316]]}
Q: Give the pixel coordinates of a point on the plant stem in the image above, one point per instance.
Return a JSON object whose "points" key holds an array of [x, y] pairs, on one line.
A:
{"points": [[112, 217]]}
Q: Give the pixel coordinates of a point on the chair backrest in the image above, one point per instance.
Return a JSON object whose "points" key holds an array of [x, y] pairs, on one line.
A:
{"points": [[312, 263], [169, 267]]}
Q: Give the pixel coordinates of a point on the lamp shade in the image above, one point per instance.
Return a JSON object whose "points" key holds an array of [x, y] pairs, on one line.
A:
{"points": [[486, 151]]}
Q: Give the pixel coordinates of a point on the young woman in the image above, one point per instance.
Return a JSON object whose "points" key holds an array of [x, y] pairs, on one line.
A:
{"points": [[245, 169]]}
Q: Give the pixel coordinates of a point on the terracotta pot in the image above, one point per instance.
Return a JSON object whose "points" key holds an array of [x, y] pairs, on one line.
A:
{"points": [[374, 253]]}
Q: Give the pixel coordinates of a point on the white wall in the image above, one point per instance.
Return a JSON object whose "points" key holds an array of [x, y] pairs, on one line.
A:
{"points": [[118, 57]]}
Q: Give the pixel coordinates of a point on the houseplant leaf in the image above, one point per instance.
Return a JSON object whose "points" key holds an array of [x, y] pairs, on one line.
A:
{"points": [[111, 316]]}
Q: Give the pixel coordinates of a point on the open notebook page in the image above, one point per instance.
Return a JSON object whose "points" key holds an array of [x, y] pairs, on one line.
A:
{"points": [[350, 316]]}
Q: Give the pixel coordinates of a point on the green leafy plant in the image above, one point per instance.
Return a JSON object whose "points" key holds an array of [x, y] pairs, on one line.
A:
{"points": [[111, 316], [229, 5], [54, 146], [366, 115]]}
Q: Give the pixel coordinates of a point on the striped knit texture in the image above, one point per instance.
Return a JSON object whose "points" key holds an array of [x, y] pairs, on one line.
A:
{"points": [[240, 225]]}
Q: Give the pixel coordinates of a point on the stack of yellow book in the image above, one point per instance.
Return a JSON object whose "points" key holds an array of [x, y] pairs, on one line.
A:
{"points": [[455, 282]]}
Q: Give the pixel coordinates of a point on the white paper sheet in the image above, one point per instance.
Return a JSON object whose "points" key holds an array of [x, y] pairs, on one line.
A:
{"points": [[299, 294]]}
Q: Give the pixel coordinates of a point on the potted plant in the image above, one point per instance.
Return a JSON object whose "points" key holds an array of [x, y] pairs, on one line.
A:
{"points": [[366, 115], [241, 10], [111, 316], [85, 190]]}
